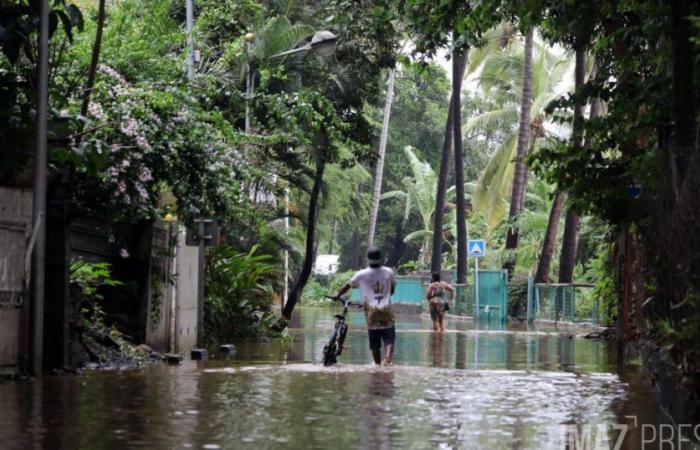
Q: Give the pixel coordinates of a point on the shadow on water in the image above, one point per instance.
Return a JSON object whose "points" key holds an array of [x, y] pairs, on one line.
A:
{"points": [[473, 387]]}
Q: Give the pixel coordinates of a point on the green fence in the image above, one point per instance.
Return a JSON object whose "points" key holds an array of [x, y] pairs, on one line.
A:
{"points": [[409, 291], [493, 295], [564, 302]]}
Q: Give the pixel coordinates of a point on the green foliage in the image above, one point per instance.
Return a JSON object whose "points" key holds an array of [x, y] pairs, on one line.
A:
{"points": [[419, 193], [599, 271], [19, 21], [517, 296], [89, 278], [238, 294], [320, 286]]}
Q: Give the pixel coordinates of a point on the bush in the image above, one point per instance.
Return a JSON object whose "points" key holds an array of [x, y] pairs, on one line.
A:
{"points": [[320, 286], [517, 296], [239, 294]]}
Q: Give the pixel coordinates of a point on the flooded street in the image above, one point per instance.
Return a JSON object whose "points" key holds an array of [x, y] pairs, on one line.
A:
{"points": [[489, 388]]}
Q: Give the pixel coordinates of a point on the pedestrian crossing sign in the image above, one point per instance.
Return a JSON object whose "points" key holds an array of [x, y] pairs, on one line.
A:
{"points": [[476, 248]]}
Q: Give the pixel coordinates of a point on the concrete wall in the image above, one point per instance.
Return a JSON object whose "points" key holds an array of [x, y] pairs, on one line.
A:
{"points": [[186, 296]]}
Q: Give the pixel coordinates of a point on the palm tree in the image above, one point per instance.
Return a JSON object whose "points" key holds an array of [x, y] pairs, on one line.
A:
{"points": [[523, 143], [568, 253], [379, 171], [459, 68], [458, 65], [419, 193], [567, 259], [501, 79]]}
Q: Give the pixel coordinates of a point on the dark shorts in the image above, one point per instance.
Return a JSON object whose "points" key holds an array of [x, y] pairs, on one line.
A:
{"points": [[388, 335]]}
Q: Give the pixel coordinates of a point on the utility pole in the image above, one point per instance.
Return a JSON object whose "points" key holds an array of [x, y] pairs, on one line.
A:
{"points": [[286, 251], [189, 12], [39, 203], [201, 227]]}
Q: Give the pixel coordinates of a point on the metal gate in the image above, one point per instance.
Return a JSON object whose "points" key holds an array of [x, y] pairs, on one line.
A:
{"points": [[15, 220], [493, 295]]}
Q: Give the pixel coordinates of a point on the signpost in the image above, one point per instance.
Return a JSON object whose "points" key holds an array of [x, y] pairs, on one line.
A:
{"points": [[476, 248]]}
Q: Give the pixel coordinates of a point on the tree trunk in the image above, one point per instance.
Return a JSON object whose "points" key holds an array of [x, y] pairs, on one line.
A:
{"points": [[355, 258], [90, 84], [379, 172], [436, 260], [458, 61], [523, 141], [550, 239], [334, 229], [398, 245], [298, 286], [567, 257]]}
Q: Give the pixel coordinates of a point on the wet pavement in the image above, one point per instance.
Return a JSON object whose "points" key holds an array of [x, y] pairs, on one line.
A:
{"points": [[489, 388]]}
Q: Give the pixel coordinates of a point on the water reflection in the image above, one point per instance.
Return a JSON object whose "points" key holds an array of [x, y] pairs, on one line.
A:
{"points": [[485, 387]]}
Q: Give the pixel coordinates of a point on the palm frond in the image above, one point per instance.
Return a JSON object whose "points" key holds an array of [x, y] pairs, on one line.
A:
{"points": [[495, 119]]}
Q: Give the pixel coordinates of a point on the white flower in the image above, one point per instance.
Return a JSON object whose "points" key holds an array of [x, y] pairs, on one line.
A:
{"points": [[123, 253], [145, 175], [112, 73], [142, 142], [130, 128], [95, 110]]}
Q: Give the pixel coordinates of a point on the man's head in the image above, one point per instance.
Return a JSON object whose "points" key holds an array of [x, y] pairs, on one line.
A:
{"points": [[435, 277], [375, 257]]}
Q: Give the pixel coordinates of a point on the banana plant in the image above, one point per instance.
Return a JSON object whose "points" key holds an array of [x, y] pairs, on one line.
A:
{"points": [[419, 194]]}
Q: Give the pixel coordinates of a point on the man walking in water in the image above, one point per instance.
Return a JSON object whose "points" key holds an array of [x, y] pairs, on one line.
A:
{"points": [[376, 284], [438, 301]]}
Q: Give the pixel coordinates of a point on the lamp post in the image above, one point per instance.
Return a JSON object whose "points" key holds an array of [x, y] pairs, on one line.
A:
{"points": [[189, 24], [39, 202], [323, 43]]}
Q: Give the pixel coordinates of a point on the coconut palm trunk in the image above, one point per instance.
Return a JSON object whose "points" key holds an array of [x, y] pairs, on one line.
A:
{"points": [[379, 172], [567, 257], [523, 141], [550, 239], [458, 63], [438, 223]]}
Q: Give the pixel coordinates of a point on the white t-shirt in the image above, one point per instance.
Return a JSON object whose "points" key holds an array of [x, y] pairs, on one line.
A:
{"points": [[375, 290]]}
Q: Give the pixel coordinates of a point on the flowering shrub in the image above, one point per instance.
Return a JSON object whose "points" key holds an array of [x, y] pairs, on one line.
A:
{"points": [[156, 137]]}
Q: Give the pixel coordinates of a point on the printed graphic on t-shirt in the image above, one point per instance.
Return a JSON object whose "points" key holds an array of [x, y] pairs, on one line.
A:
{"points": [[379, 289]]}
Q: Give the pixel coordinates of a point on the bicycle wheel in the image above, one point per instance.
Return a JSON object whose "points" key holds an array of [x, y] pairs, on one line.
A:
{"points": [[342, 331], [330, 350]]}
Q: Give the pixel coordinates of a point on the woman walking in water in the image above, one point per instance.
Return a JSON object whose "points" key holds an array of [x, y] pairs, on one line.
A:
{"points": [[438, 301]]}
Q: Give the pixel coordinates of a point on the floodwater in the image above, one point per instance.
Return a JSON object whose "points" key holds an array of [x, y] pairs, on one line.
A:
{"points": [[489, 388]]}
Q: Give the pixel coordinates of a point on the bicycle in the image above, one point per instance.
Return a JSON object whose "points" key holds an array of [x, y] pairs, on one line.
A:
{"points": [[334, 348]]}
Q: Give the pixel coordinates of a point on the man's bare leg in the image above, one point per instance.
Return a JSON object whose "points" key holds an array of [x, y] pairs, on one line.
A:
{"points": [[388, 354], [436, 326], [441, 327], [377, 355]]}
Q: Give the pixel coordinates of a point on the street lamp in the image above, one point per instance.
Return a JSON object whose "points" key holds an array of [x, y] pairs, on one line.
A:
{"points": [[323, 43]]}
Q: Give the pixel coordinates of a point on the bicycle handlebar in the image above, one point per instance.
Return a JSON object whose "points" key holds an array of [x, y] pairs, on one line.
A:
{"points": [[344, 300]]}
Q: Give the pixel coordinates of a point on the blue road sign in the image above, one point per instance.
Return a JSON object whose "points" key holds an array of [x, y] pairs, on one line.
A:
{"points": [[476, 248]]}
